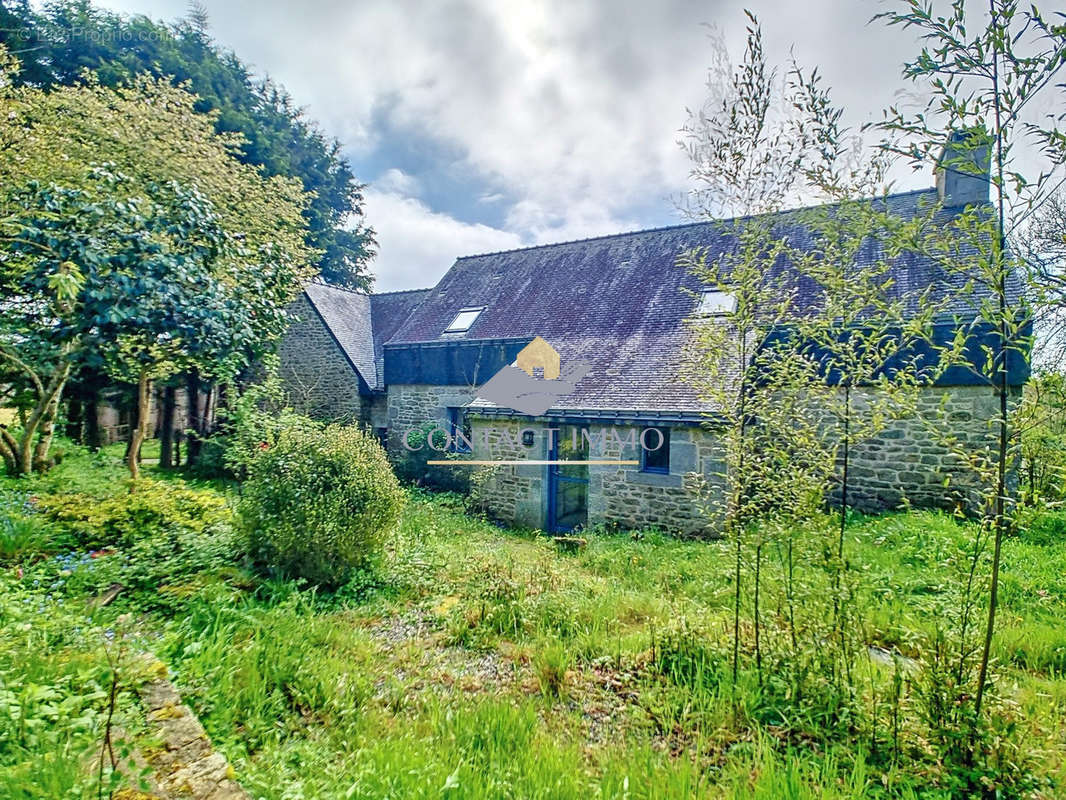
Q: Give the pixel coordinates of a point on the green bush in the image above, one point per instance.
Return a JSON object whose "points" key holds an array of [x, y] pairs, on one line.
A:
{"points": [[23, 538], [148, 509], [252, 421], [318, 504], [159, 571], [1044, 528]]}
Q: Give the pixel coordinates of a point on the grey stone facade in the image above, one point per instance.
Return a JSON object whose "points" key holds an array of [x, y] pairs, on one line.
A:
{"points": [[631, 499], [513, 494], [910, 462], [318, 378], [621, 495], [913, 462], [410, 406]]}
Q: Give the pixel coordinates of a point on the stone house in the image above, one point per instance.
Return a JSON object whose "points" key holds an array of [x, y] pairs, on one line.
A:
{"points": [[615, 305]]}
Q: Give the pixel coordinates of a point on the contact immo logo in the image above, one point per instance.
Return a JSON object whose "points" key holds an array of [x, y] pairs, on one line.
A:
{"points": [[531, 385]]}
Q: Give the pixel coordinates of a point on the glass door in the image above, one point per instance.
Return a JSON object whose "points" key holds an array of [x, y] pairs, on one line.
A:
{"points": [[568, 484]]}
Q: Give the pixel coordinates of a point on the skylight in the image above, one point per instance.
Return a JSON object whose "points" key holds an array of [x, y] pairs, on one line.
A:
{"points": [[464, 319], [717, 301]]}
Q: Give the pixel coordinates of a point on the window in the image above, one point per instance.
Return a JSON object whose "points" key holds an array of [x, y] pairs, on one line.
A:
{"points": [[464, 319], [655, 450], [459, 430], [717, 301]]}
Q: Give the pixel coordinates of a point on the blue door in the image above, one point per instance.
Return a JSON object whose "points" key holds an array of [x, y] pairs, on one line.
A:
{"points": [[568, 484]]}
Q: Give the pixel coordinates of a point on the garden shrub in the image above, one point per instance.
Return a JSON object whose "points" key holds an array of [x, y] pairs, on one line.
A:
{"points": [[158, 571], [26, 538], [252, 421], [317, 504], [148, 509], [1044, 528]]}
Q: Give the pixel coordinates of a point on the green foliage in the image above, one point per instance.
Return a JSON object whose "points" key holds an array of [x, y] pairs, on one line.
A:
{"points": [[23, 538], [55, 678], [551, 663], [267, 671], [685, 657], [255, 422], [319, 504], [1042, 421], [56, 44], [368, 688], [160, 571], [1044, 528], [137, 244], [150, 510], [424, 443]]}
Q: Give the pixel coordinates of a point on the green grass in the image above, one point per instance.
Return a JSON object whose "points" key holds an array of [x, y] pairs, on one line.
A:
{"points": [[483, 663]]}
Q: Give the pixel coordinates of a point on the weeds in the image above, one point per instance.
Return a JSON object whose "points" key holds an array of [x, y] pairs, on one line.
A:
{"points": [[629, 642]]}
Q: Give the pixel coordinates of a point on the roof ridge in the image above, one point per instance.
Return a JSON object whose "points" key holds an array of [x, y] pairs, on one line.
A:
{"points": [[680, 226], [319, 281], [402, 291]]}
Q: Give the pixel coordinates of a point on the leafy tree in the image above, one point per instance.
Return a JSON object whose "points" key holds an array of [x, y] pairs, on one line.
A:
{"points": [[58, 45], [1042, 424], [981, 77], [173, 218], [1041, 243], [126, 283], [749, 148]]}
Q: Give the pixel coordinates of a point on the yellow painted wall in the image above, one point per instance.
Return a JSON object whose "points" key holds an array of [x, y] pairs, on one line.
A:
{"points": [[539, 353]]}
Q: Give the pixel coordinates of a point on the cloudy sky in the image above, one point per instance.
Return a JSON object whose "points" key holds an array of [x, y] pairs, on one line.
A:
{"points": [[482, 125]]}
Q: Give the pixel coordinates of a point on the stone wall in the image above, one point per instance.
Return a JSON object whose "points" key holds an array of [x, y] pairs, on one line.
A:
{"points": [[911, 462], [617, 495], [513, 494], [631, 499], [412, 406], [319, 380]]}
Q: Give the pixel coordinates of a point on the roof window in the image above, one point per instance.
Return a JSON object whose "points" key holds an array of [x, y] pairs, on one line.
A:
{"points": [[464, 319], [717, 302]]}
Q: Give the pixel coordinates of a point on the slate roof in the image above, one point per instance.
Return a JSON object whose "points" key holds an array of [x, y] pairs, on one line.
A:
{"points": [[388, 311], [348, 316], [362, 323], [617, 302]]}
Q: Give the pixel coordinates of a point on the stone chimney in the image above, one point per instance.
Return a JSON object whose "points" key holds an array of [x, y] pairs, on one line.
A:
{"points": [[962, 171]]}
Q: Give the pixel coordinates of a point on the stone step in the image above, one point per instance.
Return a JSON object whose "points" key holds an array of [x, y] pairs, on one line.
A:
{"points": [[187, 767]]}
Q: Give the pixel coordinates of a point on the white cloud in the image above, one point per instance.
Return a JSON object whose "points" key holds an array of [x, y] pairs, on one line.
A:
{"points": [[396, 181], [418, 245], [564, 116]]}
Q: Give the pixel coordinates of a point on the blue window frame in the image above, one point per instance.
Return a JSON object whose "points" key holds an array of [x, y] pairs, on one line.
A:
{"points": [[658, 460], [459, 429]]}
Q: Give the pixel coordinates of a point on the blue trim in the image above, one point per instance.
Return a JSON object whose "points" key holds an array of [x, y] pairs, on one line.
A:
{"points": [[554, 478], [923, 354], [454, 362], [455, 424], [647, 419], [655, 470]]}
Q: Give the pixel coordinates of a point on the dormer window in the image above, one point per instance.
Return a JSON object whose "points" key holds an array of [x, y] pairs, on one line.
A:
{"points": [[715, 302], [464, 319]]}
